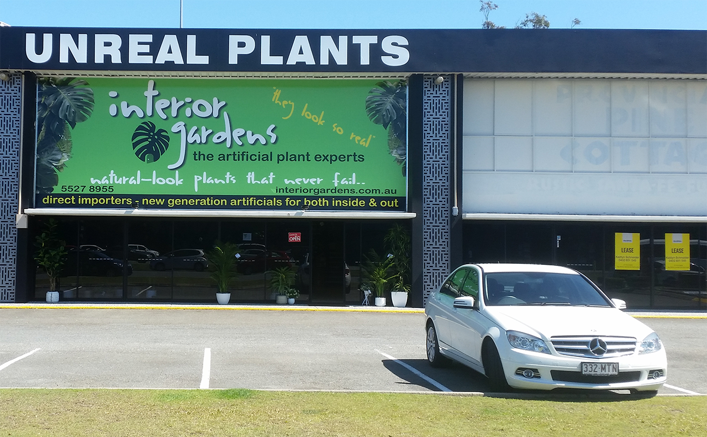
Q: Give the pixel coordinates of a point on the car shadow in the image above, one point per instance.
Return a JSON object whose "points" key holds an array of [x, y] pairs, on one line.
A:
{"points": [[458, 378], [455, 377]]}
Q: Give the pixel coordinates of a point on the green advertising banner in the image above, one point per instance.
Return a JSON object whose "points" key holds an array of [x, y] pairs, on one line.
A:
{"points": [[221, 144]]}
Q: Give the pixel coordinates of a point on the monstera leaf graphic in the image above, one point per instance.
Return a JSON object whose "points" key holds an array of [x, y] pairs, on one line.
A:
{"points": [[387, 105], [61, 104], [149, 143]]}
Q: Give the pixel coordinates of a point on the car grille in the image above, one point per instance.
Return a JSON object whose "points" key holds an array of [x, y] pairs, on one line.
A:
{"points": [[578, 346], [565, 376]]}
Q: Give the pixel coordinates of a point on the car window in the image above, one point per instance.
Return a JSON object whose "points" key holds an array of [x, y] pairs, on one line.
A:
{"points": [[452, 286], [471, 284], [534, 288]]}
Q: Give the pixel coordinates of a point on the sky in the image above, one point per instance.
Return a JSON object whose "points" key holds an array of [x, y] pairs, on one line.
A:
{"points": [[352, 14]]}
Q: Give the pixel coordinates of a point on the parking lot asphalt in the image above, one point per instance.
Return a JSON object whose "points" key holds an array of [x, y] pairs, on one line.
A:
{"points": [[264, 347]]}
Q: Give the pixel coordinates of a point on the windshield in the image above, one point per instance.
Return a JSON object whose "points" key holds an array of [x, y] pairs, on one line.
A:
{"points": [[532, 288]]}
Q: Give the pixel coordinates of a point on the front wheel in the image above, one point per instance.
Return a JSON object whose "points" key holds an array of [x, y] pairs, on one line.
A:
{"points": [[434, 357], [494, 368]]}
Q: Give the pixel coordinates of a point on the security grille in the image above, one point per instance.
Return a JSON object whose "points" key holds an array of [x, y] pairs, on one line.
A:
{"points": [[436, 145], [10, 103]]}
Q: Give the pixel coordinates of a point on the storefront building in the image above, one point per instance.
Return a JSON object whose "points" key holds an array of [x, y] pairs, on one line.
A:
{"points": [[147, 147]]}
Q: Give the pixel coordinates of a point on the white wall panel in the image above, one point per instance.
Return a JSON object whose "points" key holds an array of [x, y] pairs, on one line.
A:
{"points": [[514, 153], [513, 108], [585, 146], [668, 155], [697, 155], [552, 107], [585, 193], [629, 109], [478, 108], [592, 154], [697, 109], [478, 153], [630, 155], [592, 108], [552, 154], [668, 109]]}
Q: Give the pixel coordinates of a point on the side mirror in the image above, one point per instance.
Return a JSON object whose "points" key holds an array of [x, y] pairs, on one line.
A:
{"points": [[466, 302], [619, 303]]}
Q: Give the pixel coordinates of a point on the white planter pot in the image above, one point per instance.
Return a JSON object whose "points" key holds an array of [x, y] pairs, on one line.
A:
{"points": [[380, 301], [291, 300], [281, 299], [223, 298], [398, 298], [52, 296]]}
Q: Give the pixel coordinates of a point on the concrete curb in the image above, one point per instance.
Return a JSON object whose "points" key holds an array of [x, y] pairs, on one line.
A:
{"points": [[655, 314], [215, 307]]}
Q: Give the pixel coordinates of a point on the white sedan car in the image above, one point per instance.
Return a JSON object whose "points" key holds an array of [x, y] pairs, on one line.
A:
{"points": [[540, 327]]}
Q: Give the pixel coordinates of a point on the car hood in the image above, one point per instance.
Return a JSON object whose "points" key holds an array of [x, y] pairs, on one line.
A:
{"points": [[550, 321]]}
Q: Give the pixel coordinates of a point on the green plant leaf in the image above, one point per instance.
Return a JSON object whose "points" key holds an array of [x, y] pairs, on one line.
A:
{"points": [[387, 103], [69, 101], [281, 279], [222, 264], [149, 143]]}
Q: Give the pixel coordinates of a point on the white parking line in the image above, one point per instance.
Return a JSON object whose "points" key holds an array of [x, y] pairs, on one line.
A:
{"points": [[206, 369], [9, 363], [416, 372], [672, 387]]}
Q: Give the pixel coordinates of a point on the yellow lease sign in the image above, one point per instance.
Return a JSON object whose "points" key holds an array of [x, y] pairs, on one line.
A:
{"points": [[627, 251], [677, 251]]}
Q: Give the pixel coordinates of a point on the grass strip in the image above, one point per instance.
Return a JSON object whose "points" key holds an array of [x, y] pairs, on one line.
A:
{"points": [[238, 412]]}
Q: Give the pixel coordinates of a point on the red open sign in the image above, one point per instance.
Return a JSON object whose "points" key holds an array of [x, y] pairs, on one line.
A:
{"points": [[294, 237]]}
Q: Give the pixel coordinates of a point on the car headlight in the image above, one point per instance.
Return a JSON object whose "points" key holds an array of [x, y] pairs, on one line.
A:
{"points": [[650, 344], [527, 342]]}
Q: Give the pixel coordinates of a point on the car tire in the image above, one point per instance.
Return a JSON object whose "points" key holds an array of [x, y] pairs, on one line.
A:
{"points": [[494, 368], [160, 267], [434, 357]]}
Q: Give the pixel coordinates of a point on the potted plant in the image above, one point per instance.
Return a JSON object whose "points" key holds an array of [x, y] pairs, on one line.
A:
{"points": [[50, 256], [398, 242], [222, 266], [281, 281], [378, 272], [292, 294], [399, 293]]}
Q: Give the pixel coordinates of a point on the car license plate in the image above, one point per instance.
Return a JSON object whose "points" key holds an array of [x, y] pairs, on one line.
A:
{"points": [[600, 369]]}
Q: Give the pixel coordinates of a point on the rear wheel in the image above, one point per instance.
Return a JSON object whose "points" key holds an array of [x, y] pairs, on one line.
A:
{"points": [[433, 356], [494, 368]]}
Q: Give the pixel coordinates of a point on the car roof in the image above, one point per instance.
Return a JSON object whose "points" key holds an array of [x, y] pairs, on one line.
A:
{"points": [[539, 268]]}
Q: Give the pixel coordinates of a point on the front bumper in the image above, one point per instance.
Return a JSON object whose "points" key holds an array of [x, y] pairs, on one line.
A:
{"points": [[536, 371]]}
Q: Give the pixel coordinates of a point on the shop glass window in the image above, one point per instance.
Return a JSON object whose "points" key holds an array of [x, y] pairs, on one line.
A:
{"points": [[187, 262], [679, 266], [102, 260], [67, 281], [148, 242]]}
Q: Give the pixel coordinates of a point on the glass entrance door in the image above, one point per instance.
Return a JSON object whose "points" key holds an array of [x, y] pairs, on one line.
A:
{"points": [[328, 266]]}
